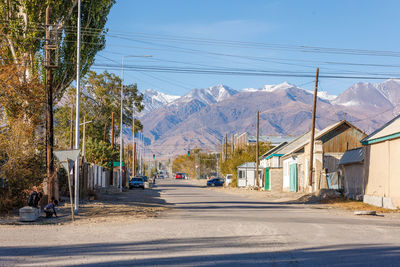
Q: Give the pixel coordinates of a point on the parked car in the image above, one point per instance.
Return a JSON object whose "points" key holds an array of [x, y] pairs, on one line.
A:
{"points": [[136, 182], [179, 175], [144, 177], [216, 182], [228, 179]]}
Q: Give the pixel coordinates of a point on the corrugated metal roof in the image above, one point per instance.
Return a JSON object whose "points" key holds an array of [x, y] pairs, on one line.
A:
{"points": [[390, 128], [352, 156], [296, 144], [275, 140], [272, 150], [247, 165]]}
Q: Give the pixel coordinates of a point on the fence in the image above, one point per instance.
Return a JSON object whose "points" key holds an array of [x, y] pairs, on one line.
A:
{"points": [[96, 177]]}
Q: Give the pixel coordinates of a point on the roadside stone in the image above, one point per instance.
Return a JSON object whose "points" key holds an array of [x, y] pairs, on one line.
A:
{"points": [[28, 214]]}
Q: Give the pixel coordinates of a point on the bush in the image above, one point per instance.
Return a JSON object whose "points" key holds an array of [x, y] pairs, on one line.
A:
{"points": [[23, 167]]}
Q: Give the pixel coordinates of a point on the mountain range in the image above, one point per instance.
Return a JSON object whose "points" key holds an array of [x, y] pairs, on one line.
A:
{"points": [[202, 117]]}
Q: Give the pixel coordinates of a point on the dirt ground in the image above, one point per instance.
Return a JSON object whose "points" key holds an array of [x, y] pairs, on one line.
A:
{"points": [[133, 204], [339, 203]]}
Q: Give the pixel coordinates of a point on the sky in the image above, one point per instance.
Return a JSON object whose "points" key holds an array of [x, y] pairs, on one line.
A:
{"points": [[238, 37]]}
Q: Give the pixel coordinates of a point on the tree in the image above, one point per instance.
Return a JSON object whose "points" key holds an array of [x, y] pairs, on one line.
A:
{"points": [[100, 153], [240, 156], [22, 162], [102, 97], [22, 27]]}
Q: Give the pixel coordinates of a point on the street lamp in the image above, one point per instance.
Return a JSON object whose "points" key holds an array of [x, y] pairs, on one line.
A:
{"points": [[120, 134]]}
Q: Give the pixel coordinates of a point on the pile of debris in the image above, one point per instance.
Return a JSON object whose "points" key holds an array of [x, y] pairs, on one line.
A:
{"points": [[321, 196]]}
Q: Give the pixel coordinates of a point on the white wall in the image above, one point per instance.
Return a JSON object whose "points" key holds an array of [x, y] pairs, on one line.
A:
{"points": [[286, 175]]}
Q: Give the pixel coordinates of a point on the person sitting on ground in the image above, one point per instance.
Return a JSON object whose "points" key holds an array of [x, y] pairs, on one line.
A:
{"points": [[50, 209], [34, 198]]}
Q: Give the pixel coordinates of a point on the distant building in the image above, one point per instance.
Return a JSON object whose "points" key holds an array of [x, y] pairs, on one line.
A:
{"points": [[247, 175], [245, 139]]}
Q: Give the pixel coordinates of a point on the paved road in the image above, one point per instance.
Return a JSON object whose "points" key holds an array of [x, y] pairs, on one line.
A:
{"points": [[205, 228]]}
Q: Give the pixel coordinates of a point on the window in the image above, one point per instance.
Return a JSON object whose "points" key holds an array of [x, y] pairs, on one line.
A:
{"points": [[241, 175]]}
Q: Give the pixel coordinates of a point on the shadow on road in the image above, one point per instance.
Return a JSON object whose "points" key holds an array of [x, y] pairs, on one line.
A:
{"points": [[160, 251]]}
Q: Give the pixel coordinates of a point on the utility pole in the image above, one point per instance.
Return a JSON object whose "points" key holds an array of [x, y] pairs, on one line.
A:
{"points": [[78, 94], [84, 137], [133, 138], [233, 144], [223, 149], [112, 129], [257, 148], [133, 149], [226, 146], [71, 130], [134, 159], [310, 171], [49, 111]]}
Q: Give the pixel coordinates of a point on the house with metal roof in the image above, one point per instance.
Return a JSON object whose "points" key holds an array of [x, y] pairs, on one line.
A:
{"points": [[352, 179], [247, 175], [381, 165], [329, 146]]}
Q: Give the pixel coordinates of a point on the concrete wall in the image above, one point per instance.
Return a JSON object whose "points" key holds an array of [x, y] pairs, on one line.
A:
{"points": [[353, 180], [382, 172], [276, 179]]}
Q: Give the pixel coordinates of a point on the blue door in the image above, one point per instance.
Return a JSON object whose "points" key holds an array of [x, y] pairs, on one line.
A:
{"points": [[293, 177]]}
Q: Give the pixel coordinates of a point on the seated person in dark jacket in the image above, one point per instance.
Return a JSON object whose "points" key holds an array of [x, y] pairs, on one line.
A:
{"points": [[34, 198], [50, 209]]}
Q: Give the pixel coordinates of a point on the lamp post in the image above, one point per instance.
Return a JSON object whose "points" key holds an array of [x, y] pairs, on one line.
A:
{"points": [[120, 134]]}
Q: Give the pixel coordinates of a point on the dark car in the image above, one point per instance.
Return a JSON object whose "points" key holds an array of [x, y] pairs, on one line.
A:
{"points": [[216, 182], [136, 182], [179, 175]]}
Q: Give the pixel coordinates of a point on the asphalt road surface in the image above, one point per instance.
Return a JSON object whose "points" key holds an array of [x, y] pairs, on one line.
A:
{"points": [[207, 228]]}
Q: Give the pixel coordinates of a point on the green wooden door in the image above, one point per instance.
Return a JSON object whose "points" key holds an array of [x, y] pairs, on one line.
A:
{"points": [[266, 179], [293, 177]]}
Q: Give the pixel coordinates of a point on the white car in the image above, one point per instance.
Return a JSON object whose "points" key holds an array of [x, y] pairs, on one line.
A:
{"points": [[228, 179]]}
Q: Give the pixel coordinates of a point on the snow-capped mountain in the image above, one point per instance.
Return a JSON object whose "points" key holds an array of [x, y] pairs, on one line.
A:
{"points": [[207, 96], [373, 95], [153, 99], [285, 85], [202, 116]]}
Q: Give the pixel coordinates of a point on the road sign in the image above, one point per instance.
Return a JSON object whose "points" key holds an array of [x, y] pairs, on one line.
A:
{"points": [[64, 155], [67, 159]]}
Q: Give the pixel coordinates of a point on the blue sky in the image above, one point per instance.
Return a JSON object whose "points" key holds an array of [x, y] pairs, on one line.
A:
{"points": [[280, 28]]}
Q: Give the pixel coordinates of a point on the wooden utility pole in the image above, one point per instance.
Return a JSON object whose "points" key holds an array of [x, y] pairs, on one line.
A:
{"points": [[257, 148], [84, 137], [71, 129], [112, 129], [135, 159], [49, 112], [223, 149], [233, 144], [226, 146], [310, 170]]}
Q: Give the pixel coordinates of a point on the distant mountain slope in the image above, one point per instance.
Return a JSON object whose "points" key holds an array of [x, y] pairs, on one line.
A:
{"points": [[201, 117], [153, 99]]}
